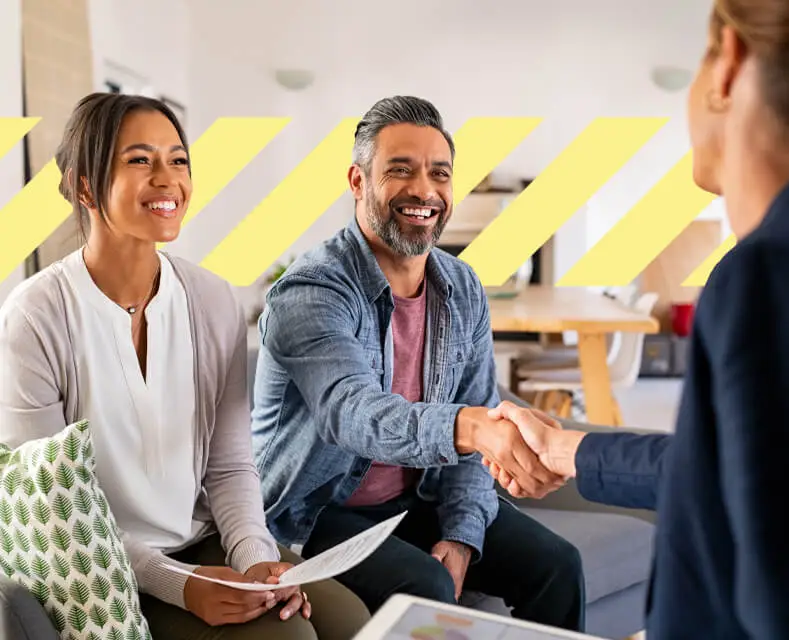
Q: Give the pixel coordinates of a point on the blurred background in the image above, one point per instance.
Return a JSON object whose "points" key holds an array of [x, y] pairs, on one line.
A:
{"points": [[317, 62]]}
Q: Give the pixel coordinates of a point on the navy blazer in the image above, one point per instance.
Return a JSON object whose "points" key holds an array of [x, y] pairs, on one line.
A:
{"points": [[721, 565]]}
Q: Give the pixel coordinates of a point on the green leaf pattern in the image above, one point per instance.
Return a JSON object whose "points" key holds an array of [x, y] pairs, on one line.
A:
{"points": [[62, 506], [79, 591], [12, 480], [83, 502], [61, 566], [41, 591], [65, 476], [22, 512], [22, 540], [60, 592], [29, 486], [40, 567], [41, 511], [6, 512], [40, 541], [102, 557], [59, 539], [44, 480], [6, 542], [99, 616], [7, 568]]}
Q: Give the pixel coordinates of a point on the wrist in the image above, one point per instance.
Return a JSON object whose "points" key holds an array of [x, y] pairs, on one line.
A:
{"points": [[466, 429], [562, 450]]}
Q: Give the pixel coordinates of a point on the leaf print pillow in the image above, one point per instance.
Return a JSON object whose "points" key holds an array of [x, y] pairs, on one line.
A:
{"points": [[59, 539]]}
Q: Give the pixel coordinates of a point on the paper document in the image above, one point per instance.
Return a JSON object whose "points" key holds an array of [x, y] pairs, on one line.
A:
{"points": [[328, 564]]}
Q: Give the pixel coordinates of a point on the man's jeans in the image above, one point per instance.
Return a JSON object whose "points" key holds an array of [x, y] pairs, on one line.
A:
{"points": [[537, 573]]}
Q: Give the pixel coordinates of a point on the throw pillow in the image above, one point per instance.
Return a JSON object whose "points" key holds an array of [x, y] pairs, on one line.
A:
{"points": [[59, 539]]}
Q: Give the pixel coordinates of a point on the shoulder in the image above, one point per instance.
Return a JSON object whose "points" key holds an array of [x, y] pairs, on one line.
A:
{"points": [[465, 282], [333, 270], [745, 294], [334, 259], [458, 271], [38, 303], [759, 265]]}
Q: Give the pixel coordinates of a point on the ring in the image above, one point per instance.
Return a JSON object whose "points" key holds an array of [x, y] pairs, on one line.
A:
{"points": [[304, 595]]}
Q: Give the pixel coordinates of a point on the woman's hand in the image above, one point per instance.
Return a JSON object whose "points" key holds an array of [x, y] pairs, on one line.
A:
{"points": [[217, 604], [296, 599]]}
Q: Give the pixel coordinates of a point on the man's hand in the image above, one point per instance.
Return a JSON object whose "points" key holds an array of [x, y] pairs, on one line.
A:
{"points": [[500, 443], [216, 604], [455, 557], [269, 573], [554, 446]]}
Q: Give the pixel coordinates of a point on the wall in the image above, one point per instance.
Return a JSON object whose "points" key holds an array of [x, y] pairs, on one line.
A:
{"points": [[11, 167], [568, 61], [146, 38]]}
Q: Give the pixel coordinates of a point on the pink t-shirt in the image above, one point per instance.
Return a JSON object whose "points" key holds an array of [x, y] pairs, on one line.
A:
{"points": [[384, 482]]}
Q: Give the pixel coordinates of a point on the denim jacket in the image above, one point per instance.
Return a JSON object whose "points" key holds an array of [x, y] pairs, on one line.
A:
{"points": [[323, 406]]}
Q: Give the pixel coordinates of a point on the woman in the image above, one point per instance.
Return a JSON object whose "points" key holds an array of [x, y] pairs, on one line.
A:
{"points": [[152, 351], [721, 565]]}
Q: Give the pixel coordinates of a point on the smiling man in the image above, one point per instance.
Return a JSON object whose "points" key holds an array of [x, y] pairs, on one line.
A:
{"points": [[372, 391]]}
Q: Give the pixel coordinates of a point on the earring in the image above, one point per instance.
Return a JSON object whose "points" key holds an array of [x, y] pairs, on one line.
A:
{"points": [[716, 102]]}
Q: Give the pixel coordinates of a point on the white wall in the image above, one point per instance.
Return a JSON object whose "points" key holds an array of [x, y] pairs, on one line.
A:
{"points": [[148, 38], [568, 61], [11, 167]]}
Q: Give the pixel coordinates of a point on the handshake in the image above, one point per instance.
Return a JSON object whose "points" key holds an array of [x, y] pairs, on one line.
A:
{"points": [[525, 450]]}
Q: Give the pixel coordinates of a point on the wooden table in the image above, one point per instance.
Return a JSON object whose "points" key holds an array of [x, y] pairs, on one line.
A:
{"points": [[547, 309]]}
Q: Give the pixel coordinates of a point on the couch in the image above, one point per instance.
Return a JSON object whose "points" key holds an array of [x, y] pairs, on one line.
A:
{"points": [[615, 546]]}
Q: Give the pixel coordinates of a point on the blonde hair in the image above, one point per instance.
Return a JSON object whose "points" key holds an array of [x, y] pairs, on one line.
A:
{"points": [[763, 26]]}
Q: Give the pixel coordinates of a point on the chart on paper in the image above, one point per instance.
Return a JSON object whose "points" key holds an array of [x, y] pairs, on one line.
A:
{"points": [[328, 564], [420, 622]]}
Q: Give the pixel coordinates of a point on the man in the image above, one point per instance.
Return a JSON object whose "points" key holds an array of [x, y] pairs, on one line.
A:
{"points": [[373, 384]]}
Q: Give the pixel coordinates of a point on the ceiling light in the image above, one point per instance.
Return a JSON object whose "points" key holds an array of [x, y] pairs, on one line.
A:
{"points": [[294, 79], [671, 79]]}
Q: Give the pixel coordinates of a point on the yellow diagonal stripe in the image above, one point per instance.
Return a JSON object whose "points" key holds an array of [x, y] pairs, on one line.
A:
{"points": [[699, 276], [648, 228], [220, 154], [288, 211], [481, 145], [30, 217], [223, 150], [556, 194], [12, 130]]}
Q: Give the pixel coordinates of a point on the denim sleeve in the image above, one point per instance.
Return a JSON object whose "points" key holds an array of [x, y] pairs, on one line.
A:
{"points": [[309, 328], [467, 495]]}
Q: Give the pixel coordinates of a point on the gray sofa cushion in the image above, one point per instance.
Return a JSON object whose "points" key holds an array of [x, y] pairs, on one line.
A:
{"points": [[615, 550], [21, 616]]}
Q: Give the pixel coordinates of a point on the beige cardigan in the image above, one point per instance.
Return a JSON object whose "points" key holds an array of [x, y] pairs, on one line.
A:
{"points": [[39, 396]]}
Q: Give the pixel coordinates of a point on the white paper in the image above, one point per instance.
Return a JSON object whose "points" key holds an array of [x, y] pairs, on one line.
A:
{"points": [[328, 564]]}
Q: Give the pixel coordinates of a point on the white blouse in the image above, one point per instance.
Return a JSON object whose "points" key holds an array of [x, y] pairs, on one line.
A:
{"points": [[143, 428]]}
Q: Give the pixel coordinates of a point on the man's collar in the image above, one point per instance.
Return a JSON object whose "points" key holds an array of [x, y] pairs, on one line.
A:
{"points": [[374, 282]]}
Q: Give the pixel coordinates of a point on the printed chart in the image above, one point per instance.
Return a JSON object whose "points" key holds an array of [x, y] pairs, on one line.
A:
{"points": [[426, 623]]}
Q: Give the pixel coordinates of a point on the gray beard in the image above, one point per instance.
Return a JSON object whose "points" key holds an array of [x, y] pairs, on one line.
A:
{"points": [[402, 243]]}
